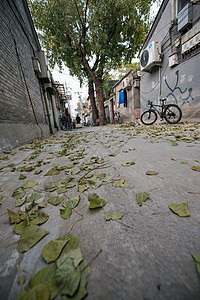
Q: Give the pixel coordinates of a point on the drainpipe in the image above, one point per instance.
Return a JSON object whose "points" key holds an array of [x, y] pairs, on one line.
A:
{"points": [[47, 108], [160, 95]]}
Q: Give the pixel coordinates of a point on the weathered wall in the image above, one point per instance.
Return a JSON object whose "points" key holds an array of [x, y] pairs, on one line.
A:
{"points": [[180, 83], [18, 42], [132, 111]]}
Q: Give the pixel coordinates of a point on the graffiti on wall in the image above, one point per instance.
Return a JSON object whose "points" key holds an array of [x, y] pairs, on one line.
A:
{"points": [[186, 95]]}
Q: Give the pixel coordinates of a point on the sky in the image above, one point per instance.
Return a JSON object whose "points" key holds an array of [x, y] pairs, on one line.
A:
{"points": [[72, 83]]}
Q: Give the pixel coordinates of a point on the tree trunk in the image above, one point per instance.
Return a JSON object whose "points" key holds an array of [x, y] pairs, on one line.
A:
{"points": [[92, 101], [99, 91]]}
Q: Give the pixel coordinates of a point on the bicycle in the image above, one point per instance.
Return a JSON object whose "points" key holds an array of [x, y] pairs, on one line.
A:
{"points": [[117, 118], [170, 112], [65, 124]]}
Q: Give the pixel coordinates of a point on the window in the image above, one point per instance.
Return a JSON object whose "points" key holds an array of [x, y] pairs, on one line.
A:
{"points": [[123, 98], [182, 3]]}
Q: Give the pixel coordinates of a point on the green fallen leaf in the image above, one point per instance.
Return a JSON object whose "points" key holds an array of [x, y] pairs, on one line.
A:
{"points": [[20, 202], [196, 168], [18, 193], [40, 219], [38, 172], [29, 184], [111, 215], [113, 154], [61, 190], [72, 202], [65, 213], [142, 197], [15, 217], [74, 171], [82, 187], [121, 183], [52, 250], [174, 144], [51, 186], [70, 184], [20, 227], [34, 197], [184, 162], [29, 168], [38, 292], [72, 243], [196, 257], [94, 183], [55, 200], [108, 179], [68, 278], [97, 203], [180, 209], [74, 254], [21, 177], [43, 276], [128, 164], [151, 172], [1, 197], [31, 236], [53, 171]]}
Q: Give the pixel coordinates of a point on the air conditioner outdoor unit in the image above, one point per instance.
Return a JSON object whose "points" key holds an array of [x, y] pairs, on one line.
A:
{"points": [[45, 74], [36, 65], [151, 56], [126, 84]]}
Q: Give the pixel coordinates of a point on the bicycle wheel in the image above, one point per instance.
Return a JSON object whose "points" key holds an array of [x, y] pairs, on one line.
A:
{"points": [[149, 117], [172, 114]]}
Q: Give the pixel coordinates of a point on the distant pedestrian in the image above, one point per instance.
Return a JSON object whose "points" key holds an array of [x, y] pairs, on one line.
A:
{"points": [[78, 119]]}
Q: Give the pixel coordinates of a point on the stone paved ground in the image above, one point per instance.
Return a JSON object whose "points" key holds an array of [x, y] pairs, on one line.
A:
{"points": [[148, 256]]}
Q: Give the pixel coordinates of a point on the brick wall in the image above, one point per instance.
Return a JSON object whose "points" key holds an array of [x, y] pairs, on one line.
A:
{"points": [[15, 103]]}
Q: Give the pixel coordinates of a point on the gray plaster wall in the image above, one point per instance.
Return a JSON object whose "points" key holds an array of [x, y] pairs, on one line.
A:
{"points": [[18, 41], [180, 83], [131, 112]]}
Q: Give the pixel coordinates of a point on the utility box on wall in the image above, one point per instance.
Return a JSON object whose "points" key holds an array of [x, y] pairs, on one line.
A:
{"points": [[185, 17]]}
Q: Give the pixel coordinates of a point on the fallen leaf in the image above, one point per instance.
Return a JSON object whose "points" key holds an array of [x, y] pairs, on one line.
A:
{"points": [[52, 250], [15, 217], [128, 164], [40, 219], [51, 186], [21, 177], [29, 184], [111, 215], [20, 202], [151, 172], [65, 213], [82, 187], [68, 278], [31, 236], [196, 257], [108, 179], [180, 209], [38, 292], [113, 154], [72, 202], [34, 197], [142, 197], [55, 200], [51, 172], [196, 168], [18, 193], [96, 203], [61, 190]]}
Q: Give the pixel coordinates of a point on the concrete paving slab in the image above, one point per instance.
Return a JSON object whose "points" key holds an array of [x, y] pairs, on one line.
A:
{"points": [[148, 256]]}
